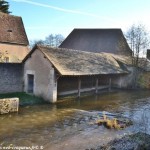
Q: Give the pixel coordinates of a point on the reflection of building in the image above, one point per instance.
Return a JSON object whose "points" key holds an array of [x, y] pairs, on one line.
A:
{"points": [[13, 39]]}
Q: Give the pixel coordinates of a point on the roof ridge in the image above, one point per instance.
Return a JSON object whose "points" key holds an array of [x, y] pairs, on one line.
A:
{"points": [[75, 50], [97, 29]]}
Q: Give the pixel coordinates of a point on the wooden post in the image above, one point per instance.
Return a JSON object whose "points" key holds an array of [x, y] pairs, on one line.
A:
{"points": [[110, 84], [79, 87], [96, 86]]}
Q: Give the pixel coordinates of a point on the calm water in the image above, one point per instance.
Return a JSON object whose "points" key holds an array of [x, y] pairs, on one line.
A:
{"points": [[51, 125]]}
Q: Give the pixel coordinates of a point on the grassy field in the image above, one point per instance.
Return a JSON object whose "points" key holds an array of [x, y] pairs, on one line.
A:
{"points": [[24, 99]]}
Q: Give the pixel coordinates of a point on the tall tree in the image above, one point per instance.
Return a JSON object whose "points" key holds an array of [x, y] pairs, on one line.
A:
{"points": [[4, 7], [53, 40], [50, 40], [34, 42], [138, 39], [58, 39]]}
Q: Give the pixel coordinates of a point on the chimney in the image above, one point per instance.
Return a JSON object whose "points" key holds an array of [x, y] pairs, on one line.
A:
{"points": [[148, 54]]}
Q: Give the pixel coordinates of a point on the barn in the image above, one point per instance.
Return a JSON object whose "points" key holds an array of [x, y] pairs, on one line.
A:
{"points": [[98, 40], [50, 72]]}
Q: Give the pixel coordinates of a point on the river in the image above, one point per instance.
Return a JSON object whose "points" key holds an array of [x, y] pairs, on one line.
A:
{"points": [[67, 124]]}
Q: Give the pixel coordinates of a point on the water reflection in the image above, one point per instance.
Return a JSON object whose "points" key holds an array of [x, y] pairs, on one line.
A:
{"points": [[45, 124]]}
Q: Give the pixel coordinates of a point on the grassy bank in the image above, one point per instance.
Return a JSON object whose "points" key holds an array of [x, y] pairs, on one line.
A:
{"points": [[24, 99]]}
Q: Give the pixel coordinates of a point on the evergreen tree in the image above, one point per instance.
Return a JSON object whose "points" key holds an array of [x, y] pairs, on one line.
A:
{"points": [[4, 7]]}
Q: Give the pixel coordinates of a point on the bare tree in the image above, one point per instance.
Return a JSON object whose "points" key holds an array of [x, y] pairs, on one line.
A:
{"points": [[53, 40], [34, 42], [50, 40], [58, 39], [138, 39]]}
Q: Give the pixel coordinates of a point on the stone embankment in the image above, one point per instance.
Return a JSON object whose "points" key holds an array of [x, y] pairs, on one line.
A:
{"points": [[9, 105]]}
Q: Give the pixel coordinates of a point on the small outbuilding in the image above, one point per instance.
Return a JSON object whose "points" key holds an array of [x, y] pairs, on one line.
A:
{"points": [[49, 72]]}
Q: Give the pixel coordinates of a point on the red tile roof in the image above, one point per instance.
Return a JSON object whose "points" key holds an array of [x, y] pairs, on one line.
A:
{"points": [[12, 30]]}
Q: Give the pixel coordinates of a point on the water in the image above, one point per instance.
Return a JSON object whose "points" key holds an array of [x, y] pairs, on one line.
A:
{"points": [[66, 125]]}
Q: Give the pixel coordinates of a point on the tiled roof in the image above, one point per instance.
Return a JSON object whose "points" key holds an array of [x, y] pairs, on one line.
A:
{"points": [[12, 30], [98, 40], [75, 62]]}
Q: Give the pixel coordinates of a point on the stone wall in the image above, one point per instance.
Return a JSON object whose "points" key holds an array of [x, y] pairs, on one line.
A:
{"points": [[15, 53], [124, 81], [9, 105], [144, 80], [44, 82], [11, 78]]}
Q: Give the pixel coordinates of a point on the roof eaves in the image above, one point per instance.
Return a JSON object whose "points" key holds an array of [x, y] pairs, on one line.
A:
{"points": [[24, 31], [29, 54], [15, 43]]}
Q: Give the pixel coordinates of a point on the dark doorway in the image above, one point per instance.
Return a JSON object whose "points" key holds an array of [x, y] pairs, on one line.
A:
{"points": [[30, 83]]}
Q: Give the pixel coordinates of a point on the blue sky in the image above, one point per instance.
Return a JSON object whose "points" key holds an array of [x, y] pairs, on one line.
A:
{"points": [[43, 17]]}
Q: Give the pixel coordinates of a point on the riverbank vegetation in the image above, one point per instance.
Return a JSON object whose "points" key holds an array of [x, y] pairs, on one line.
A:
{"points": [[24, 99]]}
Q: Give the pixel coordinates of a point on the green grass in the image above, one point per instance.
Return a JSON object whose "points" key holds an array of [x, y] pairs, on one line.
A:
{"points": [[24, 99]]}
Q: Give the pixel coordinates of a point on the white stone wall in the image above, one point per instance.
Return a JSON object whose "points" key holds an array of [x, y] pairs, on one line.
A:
{"points": [[45, 85], [125, 81]]}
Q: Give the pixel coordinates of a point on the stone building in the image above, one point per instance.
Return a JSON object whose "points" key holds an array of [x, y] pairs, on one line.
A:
{"points": [[13, 49], [50, 72], [103, 60], [13, 39]]}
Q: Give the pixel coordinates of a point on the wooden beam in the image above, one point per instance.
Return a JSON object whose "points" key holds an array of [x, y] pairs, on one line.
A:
{"points": [[96, 86], [79, 87]]}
